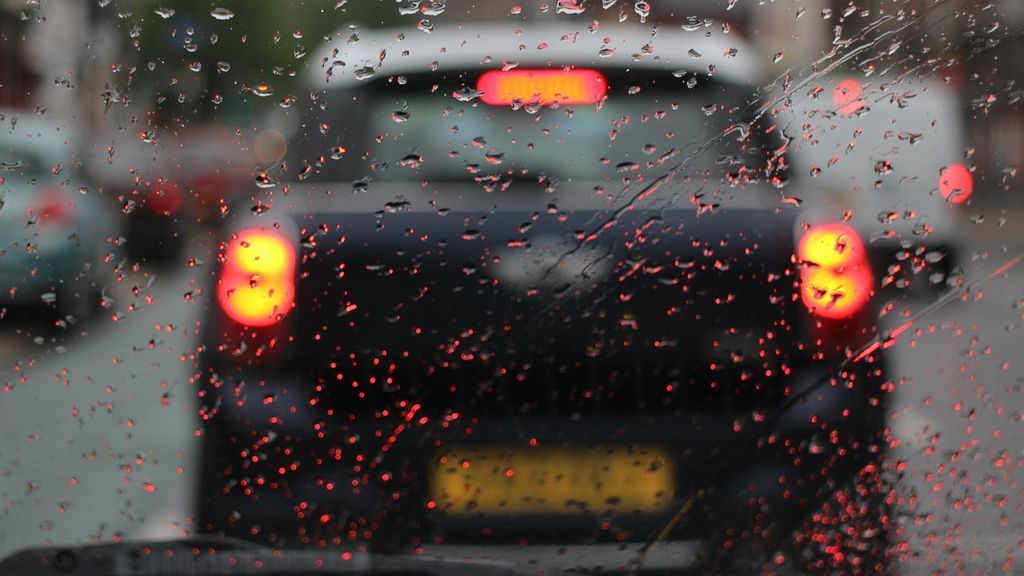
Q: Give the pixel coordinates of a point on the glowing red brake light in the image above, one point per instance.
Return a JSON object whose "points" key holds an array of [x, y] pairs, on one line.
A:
{"points": [[257, 283], [542, 86], [835, 276]]}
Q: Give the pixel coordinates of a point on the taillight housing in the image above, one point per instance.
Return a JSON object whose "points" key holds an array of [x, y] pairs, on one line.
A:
{"points": [[257, 282], [835, 275]]}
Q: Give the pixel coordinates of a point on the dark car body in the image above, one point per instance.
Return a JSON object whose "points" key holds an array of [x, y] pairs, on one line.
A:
{"points": [[59, 236], [546, 369]]}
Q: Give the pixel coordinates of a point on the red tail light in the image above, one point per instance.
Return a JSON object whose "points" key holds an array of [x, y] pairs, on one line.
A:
{"points": [[835, 277], [545, 86], [257, 283]]}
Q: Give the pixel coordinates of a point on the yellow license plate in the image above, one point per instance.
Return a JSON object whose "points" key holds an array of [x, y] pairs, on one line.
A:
{"points": [[533, 480]]}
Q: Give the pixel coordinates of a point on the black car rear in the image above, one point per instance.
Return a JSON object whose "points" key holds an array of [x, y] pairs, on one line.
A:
{"points": [[518, 356]]}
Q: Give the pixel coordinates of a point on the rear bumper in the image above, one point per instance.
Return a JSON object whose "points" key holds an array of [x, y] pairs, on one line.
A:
{"points": [[771, 478]]}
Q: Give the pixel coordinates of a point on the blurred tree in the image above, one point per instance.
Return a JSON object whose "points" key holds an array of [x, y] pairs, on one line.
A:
{"points": [[223, 59]]}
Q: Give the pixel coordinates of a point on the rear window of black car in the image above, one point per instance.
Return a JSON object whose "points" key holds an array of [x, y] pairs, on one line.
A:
{"points": [[378, 131]]}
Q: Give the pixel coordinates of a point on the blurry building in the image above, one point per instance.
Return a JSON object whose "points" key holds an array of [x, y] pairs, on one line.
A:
{"points": [[17, 80], [991, 50]]}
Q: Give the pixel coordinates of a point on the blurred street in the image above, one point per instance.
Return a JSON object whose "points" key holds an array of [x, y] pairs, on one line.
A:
{"points": [[92, 419], [958, 419], [99, 433]]}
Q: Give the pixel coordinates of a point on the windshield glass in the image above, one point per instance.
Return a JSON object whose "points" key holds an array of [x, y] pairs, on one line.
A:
{"points": [[723, 287], [472, 141], [575, 143]]}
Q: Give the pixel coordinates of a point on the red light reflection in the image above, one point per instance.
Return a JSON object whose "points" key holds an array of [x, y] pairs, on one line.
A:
{"points": [[846, 97], [956, 184]]}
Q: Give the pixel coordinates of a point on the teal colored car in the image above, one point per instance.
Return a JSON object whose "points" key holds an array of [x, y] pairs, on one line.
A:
{"points": [[58, 234]]}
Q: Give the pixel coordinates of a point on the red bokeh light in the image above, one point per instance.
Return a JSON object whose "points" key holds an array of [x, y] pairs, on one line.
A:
{"points": [[846, 97], [257, 284], [836, 279], [956, 183]]}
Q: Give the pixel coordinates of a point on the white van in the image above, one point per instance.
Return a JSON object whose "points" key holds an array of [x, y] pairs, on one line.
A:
{"points": [[887, 154]]}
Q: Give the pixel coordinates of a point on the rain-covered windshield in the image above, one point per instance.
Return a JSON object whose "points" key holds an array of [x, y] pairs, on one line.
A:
{"points": [[605, 287]]}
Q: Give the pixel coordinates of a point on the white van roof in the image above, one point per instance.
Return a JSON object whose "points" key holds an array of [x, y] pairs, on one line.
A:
{"points": [[913, 123], [476, 46]]}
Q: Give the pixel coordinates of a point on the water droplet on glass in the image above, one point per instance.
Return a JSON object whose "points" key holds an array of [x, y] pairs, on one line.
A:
{"points": [[364, 72], [265, 181], [222, 14], [411, 161], [466, 94], [433, 8], [692, 23], [570, 6], [642, 9]]}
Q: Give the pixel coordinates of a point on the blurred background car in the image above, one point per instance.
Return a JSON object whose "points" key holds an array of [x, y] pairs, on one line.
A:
{"points": [[888, 155], [58, 236], [171, 184]]}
